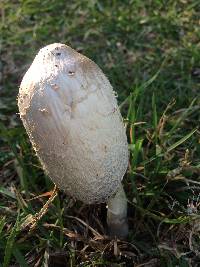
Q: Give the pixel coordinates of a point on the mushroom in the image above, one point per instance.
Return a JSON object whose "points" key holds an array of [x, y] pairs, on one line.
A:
{"points": [[70, 112]]}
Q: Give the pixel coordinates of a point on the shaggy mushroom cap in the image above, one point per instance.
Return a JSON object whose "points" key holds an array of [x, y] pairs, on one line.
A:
{"points": [[71, 115]]}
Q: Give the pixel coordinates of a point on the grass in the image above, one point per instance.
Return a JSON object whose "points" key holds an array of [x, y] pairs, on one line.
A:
{"points": [[150, 52]]}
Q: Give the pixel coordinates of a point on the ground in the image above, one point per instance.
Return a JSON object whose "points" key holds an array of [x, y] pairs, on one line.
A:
{"points": [[150, 51]]}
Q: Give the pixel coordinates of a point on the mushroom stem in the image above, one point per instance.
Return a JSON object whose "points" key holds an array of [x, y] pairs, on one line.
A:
{"points": [[117, 214]]}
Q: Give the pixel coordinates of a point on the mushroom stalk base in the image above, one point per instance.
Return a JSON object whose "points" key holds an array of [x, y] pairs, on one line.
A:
{"points": [[117, 214]]}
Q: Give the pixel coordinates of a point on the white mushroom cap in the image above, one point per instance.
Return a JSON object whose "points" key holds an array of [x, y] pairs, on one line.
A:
{"points": [[70, 113]]}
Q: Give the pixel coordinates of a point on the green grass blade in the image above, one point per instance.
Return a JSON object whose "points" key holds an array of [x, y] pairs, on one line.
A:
{"points": [[2, 223], [181, 141], [182, 117], [178, 143], [155, 116], [154, 77], [6, 134], [135, 151], [6, 192], [19, 257], [10, 243]]}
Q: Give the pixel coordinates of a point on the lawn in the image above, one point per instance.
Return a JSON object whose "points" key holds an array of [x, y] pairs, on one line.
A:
{"points": [[150, 52]]}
